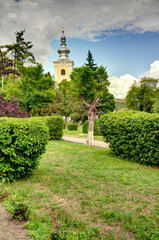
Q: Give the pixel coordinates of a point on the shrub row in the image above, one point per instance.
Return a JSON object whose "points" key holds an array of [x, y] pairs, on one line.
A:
{"points": [[132, 135], [96, 127], [22, 141]]}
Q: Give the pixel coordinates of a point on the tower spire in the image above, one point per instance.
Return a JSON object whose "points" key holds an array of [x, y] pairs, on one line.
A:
{"points": [[63, 50], [63, 39]]}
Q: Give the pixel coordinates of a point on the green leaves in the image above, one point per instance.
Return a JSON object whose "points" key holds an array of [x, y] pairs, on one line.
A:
{"points": [[143, 95], [88, 82]]}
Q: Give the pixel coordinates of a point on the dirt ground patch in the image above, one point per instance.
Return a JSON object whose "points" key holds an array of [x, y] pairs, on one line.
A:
{"points": [[11, 229]]}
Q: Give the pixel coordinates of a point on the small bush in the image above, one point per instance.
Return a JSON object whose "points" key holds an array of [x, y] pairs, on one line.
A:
{"points": [[132, 135], [96, 127], [72, 126], [22, 141], [20, 211], [56, 125]]}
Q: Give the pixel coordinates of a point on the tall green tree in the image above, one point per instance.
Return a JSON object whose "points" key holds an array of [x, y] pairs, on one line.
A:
{"points": [[90, 85], [90, 61], [19, 51], [142, 95]]}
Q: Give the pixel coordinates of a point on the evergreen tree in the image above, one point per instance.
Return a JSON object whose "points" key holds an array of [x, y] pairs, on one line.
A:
{"points": [[19, 51], [90, 61]]}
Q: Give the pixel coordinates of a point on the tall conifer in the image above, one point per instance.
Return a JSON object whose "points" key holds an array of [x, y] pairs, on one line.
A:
{"points": [[90, 61]]}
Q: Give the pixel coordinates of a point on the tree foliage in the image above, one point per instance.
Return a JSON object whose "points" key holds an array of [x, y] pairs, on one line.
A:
{"points": [[6, 65], [155, 106], [142, 95], [34, 89], [89, 83], [70, 99]]}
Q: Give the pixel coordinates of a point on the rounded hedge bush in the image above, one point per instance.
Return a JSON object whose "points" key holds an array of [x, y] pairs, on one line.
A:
{"points": [[132, 135], [22, 141], [72, 126], [55, 125]]}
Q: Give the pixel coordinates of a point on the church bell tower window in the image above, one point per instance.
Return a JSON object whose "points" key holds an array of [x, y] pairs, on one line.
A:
{"points": [[63, 72]]}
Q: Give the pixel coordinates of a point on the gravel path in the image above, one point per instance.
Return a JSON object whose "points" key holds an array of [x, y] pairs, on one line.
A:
{"points": [[97, 143], [11, 229]]}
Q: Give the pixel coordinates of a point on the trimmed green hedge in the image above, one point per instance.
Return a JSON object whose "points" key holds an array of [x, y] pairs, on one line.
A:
{"points": [[55, 125], [96, 127], [22, 141], [132, 135], [72, 126]]}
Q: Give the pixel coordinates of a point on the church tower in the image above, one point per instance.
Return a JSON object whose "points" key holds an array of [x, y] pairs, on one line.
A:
{"points": [[63, 66]]}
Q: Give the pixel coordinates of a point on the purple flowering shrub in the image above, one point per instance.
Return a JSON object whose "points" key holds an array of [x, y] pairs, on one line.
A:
{"points": [[11, 108]]}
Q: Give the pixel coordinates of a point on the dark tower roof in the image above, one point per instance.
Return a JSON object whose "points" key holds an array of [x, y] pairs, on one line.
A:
{"points": [[63, 50]]}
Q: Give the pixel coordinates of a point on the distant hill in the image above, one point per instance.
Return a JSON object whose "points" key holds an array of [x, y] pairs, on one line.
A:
{"points": [[120, 103], [119, 100]]}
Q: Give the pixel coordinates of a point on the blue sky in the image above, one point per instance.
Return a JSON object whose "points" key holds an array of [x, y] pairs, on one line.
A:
{"points": [[121, 54], [122, 35]]}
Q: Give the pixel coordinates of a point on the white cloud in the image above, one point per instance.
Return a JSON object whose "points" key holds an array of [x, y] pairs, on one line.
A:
{"points": [[154, 70], [85, 19], [119, 86]]}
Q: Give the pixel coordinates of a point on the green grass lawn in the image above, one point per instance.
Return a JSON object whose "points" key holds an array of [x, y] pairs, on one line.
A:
{"points": [[90, 194], [79, 133]]}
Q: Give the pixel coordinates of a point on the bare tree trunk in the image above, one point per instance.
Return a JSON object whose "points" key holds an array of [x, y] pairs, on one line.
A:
{"points": [[91, 119]]}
